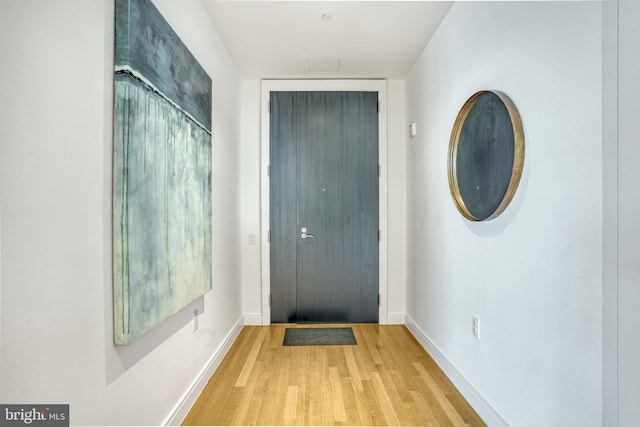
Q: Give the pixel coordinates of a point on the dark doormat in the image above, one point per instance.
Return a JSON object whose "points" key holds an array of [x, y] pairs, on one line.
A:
{"points": [[319, 336]]}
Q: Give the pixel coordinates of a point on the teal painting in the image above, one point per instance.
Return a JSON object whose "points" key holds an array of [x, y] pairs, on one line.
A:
{"points": [[162, 173]]}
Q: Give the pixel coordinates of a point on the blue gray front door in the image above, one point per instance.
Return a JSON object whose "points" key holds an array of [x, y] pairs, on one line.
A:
{"points": [[324, 207]]}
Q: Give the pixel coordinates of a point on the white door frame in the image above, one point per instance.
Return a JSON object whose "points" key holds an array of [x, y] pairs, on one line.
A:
{"points": [[269, 86]]}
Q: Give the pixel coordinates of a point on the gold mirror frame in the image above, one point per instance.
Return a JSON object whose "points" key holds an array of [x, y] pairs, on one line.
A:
{"points": [[518, 155]]}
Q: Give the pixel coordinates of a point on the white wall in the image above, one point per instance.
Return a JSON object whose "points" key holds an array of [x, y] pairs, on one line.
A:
{"points": [[55, 176], [533, 275], [610, 211], [628, 277], [250, 200], [397, 130]]}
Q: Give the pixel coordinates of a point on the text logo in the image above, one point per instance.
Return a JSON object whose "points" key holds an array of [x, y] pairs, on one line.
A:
{"points": [[34, 415]]}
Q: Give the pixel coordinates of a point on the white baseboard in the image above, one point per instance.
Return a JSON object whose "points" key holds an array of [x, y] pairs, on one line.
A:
{"points": [[183, 406], [395, 319], [253, 319], [484, 409]]}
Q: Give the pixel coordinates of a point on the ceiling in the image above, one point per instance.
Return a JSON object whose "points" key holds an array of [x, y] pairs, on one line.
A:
{"points": [[325, 39]]}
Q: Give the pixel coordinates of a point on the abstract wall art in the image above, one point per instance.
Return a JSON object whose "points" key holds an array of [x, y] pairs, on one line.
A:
{"points": [[162, 227]]}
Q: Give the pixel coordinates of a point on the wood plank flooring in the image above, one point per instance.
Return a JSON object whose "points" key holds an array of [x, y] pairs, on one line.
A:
{"points": [[387, 379]]}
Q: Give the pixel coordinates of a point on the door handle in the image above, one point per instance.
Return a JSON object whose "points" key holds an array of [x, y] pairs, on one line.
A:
{"points": [[304, 234]]}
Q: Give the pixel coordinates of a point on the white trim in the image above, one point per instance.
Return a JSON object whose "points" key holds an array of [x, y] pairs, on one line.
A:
{"points": [[253, 319], [484, 409], [0, 273], [181, 409], [396, 319], [610, 241], [379, 86]]}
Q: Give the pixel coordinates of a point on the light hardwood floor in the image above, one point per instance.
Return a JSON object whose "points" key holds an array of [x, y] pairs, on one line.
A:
{"points": [[386, 379]]}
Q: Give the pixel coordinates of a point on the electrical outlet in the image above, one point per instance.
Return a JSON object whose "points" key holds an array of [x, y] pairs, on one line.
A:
{"points": [[475, 327]]}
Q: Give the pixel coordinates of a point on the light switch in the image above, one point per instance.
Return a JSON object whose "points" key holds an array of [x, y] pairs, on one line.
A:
{"points": [[413, 129]]}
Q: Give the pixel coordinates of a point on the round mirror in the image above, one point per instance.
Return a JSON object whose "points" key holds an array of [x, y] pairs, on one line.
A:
{"points": [[486, 155]]}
